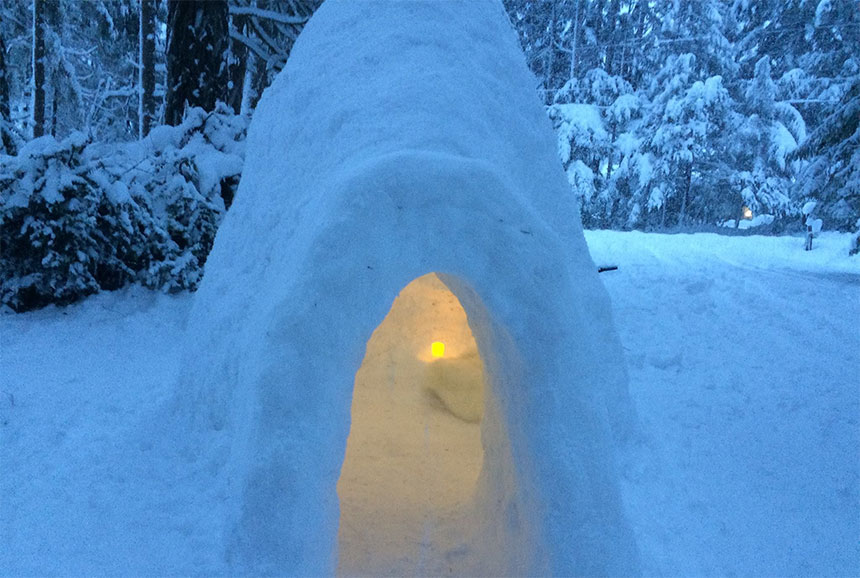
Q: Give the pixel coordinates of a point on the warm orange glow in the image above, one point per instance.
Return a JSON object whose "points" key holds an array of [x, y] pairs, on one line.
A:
{"points": [[414, 454], [747, 213], [437, 349]]}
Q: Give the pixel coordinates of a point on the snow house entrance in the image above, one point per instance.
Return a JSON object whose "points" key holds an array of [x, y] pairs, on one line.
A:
{"points": [[414, 452]]}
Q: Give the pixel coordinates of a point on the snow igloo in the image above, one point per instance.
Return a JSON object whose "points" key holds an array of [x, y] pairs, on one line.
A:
{"points": [[401, 360]]}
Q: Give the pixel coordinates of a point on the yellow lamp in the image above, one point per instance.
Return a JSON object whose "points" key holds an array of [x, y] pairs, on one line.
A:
{"points": [[437, 349]]}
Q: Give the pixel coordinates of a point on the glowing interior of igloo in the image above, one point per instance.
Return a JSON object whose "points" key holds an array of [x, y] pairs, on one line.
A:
{"points": [[414, 453]]}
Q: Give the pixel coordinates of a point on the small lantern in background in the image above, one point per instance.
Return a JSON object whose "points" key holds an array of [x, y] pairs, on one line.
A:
{"points": [[437, 349], [747, 212]]}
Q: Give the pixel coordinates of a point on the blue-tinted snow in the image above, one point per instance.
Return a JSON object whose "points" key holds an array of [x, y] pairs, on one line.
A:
{"points": [[743, 355]]}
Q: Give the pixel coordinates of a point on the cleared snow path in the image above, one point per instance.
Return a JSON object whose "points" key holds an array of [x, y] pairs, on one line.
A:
{"points": [[744, 361], [743, 353]]}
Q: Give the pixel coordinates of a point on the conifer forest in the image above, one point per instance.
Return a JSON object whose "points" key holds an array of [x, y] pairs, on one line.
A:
{"points": [[122, 123]]}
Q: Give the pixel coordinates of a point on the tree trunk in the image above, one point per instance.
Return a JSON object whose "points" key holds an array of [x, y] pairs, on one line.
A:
{"points": [[639, 36], [55, 73], [609, 155], [612, 40], [596, 13], [258, 82], [626, 23], [663, 215], [572, 71], [146, 81], [549, 63], [55, 101], [196, 70], [688, 179], [609, 165], [237, 65], [7, 144], [39, 68]]}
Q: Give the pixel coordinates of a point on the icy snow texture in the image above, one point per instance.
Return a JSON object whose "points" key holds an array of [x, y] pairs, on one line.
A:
{"points": [[405, 138]]}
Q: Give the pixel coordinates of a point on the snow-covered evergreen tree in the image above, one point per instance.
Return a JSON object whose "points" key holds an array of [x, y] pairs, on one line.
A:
{"points": [[780, 68], [583, 145], [690, 124], [631, 164], [770, 133], [77, 217], [831, 174], [597, 118], [66, 232]]}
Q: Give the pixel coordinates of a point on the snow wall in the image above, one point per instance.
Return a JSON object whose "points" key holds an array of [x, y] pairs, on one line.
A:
{"points": [[405, 138]]}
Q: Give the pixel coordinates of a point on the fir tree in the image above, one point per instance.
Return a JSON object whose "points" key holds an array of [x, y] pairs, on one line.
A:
{"points": [[832, 172]]}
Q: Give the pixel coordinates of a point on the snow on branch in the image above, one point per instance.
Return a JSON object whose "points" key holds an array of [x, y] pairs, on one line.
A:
{"points": [[262, 35], [267, 15], [251, 43]]}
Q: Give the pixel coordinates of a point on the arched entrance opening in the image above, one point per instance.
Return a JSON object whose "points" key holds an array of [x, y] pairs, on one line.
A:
{"points": [[414, 453]]}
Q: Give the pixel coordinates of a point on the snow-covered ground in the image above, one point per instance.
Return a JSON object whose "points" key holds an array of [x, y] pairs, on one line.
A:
{"points": [[744, 362], [743, 355]]}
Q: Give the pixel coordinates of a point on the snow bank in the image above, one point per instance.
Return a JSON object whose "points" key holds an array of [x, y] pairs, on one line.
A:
{"points": [[413, 144]]}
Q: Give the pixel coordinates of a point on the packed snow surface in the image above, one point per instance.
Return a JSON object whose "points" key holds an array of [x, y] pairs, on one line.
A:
{"points": [[415, 144], [743, 355], [414, 453]]}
